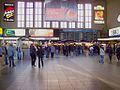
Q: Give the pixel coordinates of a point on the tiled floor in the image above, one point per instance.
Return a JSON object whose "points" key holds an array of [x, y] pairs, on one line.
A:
{"points": [[62, 73]]}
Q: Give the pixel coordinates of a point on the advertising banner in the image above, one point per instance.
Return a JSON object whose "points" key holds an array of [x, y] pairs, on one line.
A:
{"points": [[41, 32], [9, 11], [99, 14]]}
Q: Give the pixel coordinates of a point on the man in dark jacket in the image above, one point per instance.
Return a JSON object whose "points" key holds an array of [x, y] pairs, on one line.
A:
{"points": [[33, 54], [40, 53], [118, 53]]}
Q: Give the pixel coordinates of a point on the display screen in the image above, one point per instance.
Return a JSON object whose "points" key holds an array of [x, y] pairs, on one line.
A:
{"points": [[41, 32], [9, 11], [62, 10], [14, 32]]}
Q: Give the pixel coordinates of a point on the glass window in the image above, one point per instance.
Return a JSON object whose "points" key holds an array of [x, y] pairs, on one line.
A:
{"points": [[88, 15], [47, 24], [38, 14], [20, 14], [63, 24], [55, 24]]}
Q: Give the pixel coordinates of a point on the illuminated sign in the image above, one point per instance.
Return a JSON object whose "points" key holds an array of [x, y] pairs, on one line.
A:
{"points": [[118, 19], [9, 12], [14, 32], [1, 31], [99, 14], [41, 32], [114, 31]]}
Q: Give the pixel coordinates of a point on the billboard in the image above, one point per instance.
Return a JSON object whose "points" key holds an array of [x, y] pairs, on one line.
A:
{"points": [[61, 10], [14, 32], [114, 31], [41, 32], [99, 14], [9, 11]]}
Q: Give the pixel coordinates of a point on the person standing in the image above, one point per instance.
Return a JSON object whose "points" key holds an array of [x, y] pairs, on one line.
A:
{"points": [[118, 53], [19, 50], [40, 53], [110, 52], [102, 53], [1, 51], [52, 49], [11, 53], [5, 51], [33, 54]]}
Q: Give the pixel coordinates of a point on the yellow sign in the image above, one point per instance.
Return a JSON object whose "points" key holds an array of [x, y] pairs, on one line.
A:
{"points": [[1, 31]]}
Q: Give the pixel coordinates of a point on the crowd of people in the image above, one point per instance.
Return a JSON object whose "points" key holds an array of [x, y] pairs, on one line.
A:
{"points": [[7, 52], [68, 49], [56, 49]]}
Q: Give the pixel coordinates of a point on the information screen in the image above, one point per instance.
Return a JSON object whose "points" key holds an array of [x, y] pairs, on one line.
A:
{"points": [[61, 10]]}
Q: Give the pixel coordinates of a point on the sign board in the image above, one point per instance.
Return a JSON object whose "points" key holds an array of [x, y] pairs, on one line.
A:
{"points": [[14, 32], [99, 14], [9, 11], [114, 31]]}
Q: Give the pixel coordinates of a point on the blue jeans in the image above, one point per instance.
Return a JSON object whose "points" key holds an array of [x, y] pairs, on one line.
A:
{"points": [[101, 59], [19, 55], [6, 60], [11, 61]]}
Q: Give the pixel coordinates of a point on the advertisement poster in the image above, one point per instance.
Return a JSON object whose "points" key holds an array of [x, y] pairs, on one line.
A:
{"points": [[14, 32], [99, 14], [9, 11], [41, 32], [62, 10]]}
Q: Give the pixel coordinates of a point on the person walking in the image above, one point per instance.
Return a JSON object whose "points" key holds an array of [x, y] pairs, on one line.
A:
{"points": [[102, 53], [40, 53], [118, 53], [11, 53], [110, 52], [33, 54]]}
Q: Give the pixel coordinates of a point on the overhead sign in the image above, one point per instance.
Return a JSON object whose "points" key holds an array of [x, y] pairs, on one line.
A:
{"points": [[9, 12], [14, 32], [99, 14], [61, 10], [41, 32], [114, 31]]}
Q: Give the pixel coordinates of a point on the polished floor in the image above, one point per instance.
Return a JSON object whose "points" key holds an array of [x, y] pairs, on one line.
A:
{"points": [[62, 73]]}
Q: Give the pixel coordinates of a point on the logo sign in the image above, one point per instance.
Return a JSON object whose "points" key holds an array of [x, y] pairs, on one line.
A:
{"points": [[99, 14], [9, 12], [114, 31], [118, 18]]}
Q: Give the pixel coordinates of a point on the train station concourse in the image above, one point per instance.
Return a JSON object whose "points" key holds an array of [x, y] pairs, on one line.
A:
{"points": [[60, 45]]}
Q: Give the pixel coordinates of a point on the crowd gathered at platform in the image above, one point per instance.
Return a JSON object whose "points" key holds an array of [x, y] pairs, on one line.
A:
{"points": [[55, 49]]}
